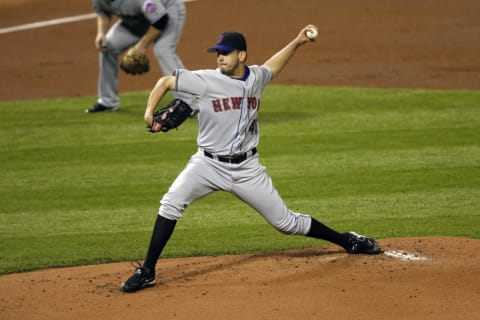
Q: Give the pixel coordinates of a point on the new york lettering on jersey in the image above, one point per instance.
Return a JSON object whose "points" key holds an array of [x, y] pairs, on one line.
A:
{"points": [[234, 103]]}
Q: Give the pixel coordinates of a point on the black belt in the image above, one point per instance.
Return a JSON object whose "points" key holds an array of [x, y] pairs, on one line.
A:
{"points": [[238, 158]]}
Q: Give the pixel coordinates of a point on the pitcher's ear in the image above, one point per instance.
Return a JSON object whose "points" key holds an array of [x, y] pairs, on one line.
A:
{"points": [[242, 55]]}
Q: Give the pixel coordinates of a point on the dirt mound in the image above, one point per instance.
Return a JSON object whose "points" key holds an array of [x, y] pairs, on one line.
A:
{"points": [[420, 278]]}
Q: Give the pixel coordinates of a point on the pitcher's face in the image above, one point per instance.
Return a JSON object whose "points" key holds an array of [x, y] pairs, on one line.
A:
{"points": [[231, 63]]}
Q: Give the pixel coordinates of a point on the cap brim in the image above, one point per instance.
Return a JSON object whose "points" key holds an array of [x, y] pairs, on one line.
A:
{"points": [[221, 47]]}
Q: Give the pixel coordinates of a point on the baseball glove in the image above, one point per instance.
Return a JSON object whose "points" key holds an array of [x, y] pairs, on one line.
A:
{"points": [[135, 62], [171, 116]]}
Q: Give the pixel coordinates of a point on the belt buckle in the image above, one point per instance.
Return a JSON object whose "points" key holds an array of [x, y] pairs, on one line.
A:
{"points": [[229, 159], [239, 158]]}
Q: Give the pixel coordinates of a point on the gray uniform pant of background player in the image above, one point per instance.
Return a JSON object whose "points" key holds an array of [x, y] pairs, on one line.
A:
{"points": [[120, 38], [248, 181]]}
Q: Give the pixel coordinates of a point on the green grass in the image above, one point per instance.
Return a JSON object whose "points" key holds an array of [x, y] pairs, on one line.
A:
{"points": [[81, 189]]}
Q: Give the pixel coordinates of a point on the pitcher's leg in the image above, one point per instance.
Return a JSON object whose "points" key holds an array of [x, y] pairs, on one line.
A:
{"points": [[162, 231], [196, 181], [258, 192]]}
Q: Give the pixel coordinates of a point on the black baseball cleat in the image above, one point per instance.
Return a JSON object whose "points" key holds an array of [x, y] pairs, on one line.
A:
{"points": [[98, 107], [141, 278], [361, 244]]}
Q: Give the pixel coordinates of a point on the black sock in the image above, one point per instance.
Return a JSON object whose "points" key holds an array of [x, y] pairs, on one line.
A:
{"points": [[320, 231], [162, 231]]}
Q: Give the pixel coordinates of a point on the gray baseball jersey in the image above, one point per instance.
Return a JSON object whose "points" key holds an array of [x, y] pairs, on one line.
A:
{"points": [[227, 111], [227, 108]]}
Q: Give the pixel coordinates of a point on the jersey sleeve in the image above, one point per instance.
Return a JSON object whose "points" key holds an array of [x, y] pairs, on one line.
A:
{"points": [[189, 82], [153, 10], [190, 87], [266, 74]]}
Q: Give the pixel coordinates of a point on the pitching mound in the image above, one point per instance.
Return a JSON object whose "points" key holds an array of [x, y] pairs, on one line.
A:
{"points": [[419, 278]]}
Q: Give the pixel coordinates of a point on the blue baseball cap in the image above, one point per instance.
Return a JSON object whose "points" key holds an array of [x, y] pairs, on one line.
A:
{"points": [[230, 41]]}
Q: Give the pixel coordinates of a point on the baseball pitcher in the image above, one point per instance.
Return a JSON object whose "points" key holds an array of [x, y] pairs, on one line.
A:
{"points": [[226, 102]]}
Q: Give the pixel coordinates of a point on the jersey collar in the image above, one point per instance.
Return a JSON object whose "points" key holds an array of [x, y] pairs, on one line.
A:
{"points": [[245, 76]]}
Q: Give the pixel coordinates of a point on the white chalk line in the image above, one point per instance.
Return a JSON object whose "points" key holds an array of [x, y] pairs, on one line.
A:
{"points": [[52, 22], [402, 255], [46, 23]]}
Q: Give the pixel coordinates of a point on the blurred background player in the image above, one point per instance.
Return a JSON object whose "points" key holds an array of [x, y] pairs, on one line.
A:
{"points": [[140, 24]]}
